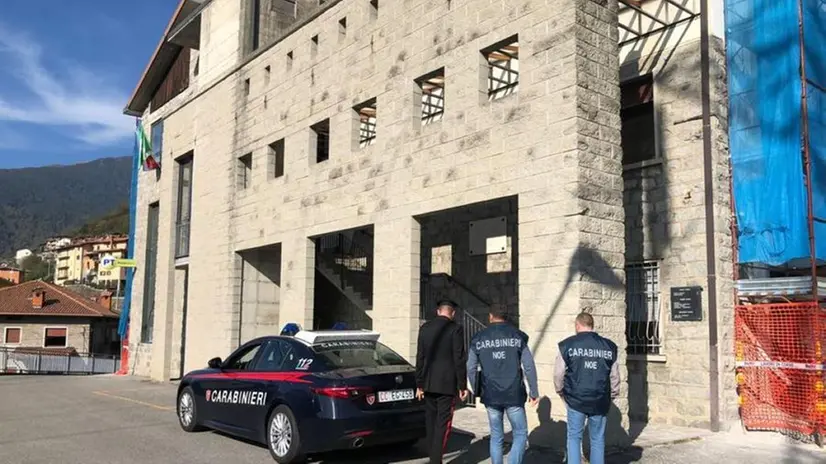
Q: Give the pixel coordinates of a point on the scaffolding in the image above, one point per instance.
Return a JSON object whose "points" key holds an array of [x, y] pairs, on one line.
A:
{"points": [[777, 122]]}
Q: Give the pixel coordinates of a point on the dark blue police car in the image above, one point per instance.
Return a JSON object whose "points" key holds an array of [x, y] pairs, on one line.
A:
{"points": [[313, 392]]}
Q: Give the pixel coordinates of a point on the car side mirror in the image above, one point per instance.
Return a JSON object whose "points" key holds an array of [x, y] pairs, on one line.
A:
{"points": [[215, 363]]}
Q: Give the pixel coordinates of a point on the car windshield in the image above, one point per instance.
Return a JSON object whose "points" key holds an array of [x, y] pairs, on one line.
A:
{"points": [[347, 354]]}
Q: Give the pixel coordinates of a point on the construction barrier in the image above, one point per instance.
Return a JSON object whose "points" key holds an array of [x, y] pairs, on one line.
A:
{"points": [[124, 356], [780, 367]]}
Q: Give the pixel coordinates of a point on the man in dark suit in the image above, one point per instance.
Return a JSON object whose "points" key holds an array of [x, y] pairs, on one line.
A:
{"points": [[441, 374]]}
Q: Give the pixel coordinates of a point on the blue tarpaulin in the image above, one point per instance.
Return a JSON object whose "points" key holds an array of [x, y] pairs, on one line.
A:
{"points": [[766, 129]]}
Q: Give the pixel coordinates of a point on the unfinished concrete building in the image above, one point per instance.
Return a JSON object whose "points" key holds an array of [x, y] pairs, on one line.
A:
{"points": [[351, 161]]}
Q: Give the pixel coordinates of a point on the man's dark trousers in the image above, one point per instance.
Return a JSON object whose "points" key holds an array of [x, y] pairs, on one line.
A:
{"points": [[439, 410]]}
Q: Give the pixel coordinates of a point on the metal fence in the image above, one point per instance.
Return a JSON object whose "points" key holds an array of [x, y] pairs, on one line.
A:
{"points": [[16, 361]]}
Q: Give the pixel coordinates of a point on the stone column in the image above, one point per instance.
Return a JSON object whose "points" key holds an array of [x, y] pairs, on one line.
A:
{"points": [[298, 280], [571, 255], [396, 276], [164, 278]]}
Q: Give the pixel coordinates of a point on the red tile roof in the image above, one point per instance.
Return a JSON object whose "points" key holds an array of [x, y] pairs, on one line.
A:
{"points": [[16, 301]]}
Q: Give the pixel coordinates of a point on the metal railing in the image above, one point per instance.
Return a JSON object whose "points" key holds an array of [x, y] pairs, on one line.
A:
{"points": [[352, 264], [40, 361], [182, 239]]}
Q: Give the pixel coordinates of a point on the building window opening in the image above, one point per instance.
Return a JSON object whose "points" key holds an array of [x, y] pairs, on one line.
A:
{"points": [[642, 300], [277, 158], [150, 261], [638, 123], [367, 122], [245, 171], [321, 133], [342, 29], [55, 338], [12, 336], [182, 223], [432, 87], [289, 60], [502, 61], [156, 133], [255, 25], [374, 10], [314, 46]]}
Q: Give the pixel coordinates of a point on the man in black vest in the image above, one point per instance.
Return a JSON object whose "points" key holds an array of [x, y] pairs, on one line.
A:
{"points": [[440, 375], [586, 376], [506, 361]]}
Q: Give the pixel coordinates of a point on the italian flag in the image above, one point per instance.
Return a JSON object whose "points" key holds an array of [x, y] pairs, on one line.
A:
{"points": [[145, 155]]}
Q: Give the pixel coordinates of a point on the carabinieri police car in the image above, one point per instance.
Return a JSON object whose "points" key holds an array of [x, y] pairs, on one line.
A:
{"points": [[312, 392]]}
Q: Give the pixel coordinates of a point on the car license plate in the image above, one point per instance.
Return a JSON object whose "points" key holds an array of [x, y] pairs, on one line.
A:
{"points": [[395, 395]]}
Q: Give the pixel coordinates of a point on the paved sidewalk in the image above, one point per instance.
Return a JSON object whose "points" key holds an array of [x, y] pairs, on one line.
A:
{"points": [[126, 420], [652, 444]]}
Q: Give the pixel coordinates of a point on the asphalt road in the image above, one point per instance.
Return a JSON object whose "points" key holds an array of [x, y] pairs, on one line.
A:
{"points": [[119, 420]]}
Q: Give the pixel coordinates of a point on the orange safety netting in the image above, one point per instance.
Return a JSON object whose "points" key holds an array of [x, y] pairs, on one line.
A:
{"points": [[780, 366]]}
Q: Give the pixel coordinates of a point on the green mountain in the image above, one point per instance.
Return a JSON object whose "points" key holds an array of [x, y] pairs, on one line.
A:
{"points": [[37, 203], [116, 222]]}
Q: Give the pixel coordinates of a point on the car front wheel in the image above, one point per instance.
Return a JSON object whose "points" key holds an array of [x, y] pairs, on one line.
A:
{"points": [[283, 440], [187, 411]]}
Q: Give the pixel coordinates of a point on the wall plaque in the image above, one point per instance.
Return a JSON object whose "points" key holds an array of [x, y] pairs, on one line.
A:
{"points": [[686, 304]]}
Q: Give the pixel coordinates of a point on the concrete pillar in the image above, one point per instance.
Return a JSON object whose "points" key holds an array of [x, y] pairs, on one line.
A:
{"points": [[396, 275], [298, 277], [571, 239], [164, 279]]}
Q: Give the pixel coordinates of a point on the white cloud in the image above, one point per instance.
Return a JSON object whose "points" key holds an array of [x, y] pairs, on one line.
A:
{"points": [[75, 97]]}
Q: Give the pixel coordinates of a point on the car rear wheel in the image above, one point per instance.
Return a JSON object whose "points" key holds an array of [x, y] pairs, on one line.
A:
{"points": [[187, 411], [283, 439]]}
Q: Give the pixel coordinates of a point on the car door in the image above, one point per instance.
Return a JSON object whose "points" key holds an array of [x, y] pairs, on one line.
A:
{"points": [[274, 373], [226, 399], [264, 378]]}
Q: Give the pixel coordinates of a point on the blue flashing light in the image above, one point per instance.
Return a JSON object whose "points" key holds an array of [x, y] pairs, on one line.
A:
{"points": [[340, 326], [290, 329]]}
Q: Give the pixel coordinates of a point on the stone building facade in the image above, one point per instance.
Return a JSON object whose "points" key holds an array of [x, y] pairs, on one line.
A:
{"points": [[228, 228]]}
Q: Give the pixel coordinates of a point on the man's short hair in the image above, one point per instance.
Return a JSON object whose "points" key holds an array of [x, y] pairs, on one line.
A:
{"points": [[446, 304], [499, 312], [585, 320]]}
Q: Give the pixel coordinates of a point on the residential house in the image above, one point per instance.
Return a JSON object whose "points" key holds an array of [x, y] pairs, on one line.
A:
{"points": [[80, 261], [11, 274], [39, 315]]}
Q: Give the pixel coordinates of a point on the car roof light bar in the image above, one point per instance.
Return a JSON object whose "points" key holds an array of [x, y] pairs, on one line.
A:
{"points": [[314, 337]]}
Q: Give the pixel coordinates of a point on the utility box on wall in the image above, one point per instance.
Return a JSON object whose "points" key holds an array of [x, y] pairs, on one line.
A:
{"points": [[488, 236]]}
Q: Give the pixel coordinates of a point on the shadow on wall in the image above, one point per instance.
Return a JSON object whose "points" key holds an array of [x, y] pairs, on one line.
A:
{"points": [[588, 266]]}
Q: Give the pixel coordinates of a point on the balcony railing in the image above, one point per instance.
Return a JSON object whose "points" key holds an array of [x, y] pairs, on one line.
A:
{"points": [[182, 239]]}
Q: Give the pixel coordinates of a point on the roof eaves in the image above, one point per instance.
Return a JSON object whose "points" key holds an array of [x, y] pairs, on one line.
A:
{"points": [[131, 109]]}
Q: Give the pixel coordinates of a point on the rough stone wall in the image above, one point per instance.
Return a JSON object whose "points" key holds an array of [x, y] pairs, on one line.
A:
{"points": [[665, 221], [554, 144], [177, 336], [161, 187], [261, 293]]}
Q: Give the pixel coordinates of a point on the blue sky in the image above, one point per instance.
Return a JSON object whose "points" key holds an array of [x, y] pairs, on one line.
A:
{"points": [[67, 69]]}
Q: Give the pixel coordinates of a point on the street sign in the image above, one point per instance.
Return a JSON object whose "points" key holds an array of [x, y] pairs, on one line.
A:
{"points": [[123, 262], [107, 262]]}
